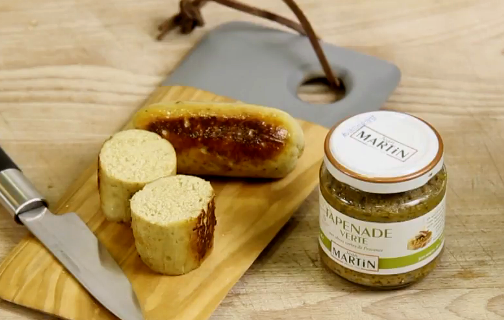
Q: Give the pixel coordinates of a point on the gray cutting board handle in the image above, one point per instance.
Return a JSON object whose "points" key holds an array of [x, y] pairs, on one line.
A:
{"points": [[265, 66]]}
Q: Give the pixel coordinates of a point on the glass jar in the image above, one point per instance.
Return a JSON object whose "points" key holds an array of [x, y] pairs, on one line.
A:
{"points": [[382, 199]]}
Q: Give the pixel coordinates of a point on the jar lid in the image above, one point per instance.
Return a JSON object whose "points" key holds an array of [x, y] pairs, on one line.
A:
{"points": [[383, 152]]}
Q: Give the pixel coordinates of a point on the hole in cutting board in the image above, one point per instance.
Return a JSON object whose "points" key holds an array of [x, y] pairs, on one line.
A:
{"points": [[316, 90]]}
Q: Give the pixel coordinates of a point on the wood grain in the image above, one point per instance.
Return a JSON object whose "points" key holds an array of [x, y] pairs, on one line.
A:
{"points": [[249, 214], [72, 72]]}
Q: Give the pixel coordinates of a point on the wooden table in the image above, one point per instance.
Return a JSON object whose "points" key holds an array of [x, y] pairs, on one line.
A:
{"points": [[72, 72]]}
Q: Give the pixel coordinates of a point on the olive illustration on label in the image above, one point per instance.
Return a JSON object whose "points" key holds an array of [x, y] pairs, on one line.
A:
{"points": [[420, 240]]}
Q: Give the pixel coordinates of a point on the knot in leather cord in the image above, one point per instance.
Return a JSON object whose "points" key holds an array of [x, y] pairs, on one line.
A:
{"points": [[189, 16]]}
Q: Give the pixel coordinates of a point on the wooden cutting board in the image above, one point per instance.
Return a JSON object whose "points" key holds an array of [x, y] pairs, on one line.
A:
{"points": [[249, 214]]}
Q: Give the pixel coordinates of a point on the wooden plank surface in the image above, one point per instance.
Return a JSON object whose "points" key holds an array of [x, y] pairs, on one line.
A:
{"points": [[72, 72]]}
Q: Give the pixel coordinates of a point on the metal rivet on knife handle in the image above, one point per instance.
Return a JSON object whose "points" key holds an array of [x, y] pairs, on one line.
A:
{"points": [[17, 194]]}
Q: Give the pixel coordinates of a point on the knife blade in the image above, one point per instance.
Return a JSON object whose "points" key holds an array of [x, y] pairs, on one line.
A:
{"points": [[70, 241]]}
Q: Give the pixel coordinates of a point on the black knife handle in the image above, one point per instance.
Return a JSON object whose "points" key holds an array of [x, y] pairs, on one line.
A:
{"points": [[17, 194], [6, 162]]}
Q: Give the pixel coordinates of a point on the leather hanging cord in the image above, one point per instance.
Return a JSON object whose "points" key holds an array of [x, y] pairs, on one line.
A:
{"points": [[190, 17]]}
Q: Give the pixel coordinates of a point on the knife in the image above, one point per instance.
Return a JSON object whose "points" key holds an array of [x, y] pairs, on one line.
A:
{"points": [[69, 239]]}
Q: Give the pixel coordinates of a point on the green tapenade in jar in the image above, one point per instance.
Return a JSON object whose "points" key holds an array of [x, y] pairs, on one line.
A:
{"points": [[382, 199]]}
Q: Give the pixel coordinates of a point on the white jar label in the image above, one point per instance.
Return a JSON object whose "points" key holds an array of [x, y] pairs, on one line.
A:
{"points": [[381, 248]]}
